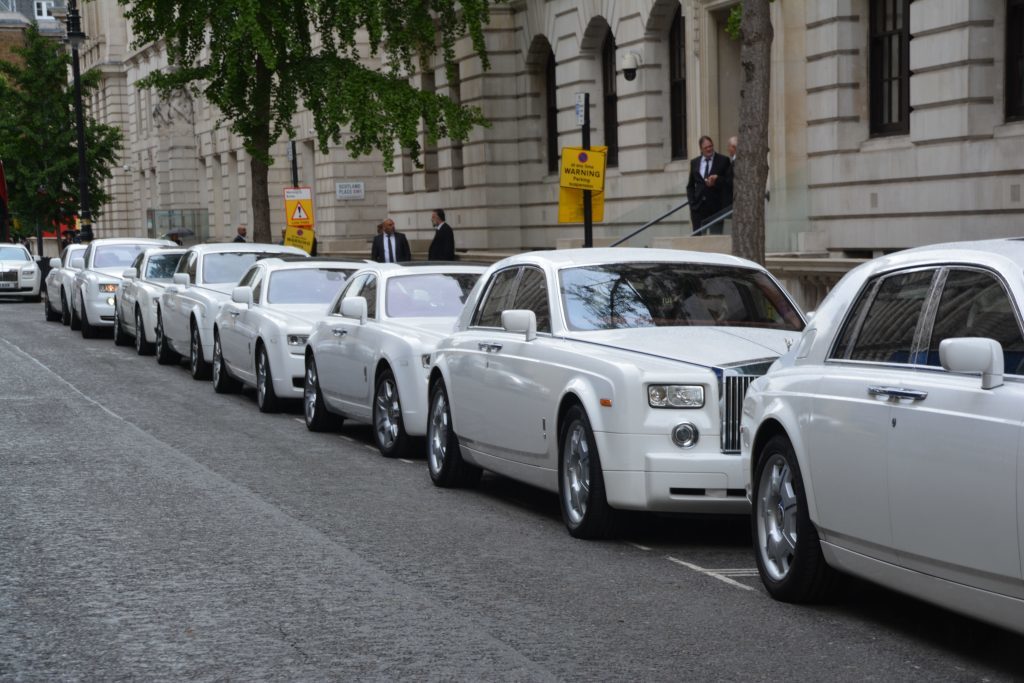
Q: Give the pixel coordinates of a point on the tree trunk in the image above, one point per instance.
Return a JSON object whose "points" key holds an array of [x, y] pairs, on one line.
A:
{"points": [[260, 200], [751, 173], [259, 155]]}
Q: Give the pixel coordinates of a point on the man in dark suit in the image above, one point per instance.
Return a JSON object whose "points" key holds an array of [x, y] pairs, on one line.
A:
{"points": [[442, 248], [390, 246], [704, 189], [240, 236]]}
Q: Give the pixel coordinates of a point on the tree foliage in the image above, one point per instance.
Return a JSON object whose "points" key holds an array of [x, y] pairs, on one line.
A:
{"points": [[38, 138], [348, 62]]}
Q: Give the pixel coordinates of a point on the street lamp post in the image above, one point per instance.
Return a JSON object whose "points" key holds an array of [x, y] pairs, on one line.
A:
{"points": [[76, 37]]}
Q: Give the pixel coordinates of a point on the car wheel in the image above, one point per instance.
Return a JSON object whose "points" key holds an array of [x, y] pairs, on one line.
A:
{"points": [[76, 322], [51, 315], [444, 457], [223, 383], [142, 347], [88, 331], [120, 337], [318, 419], [197, 365], [165, 355], [65, 310], [266, 399], [388, 429], [585, 508], [786, 544]]}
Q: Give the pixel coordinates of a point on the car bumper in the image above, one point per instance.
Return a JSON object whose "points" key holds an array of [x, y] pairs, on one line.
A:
{"points": [[20, 287], [100, 313], [657, 476], [289, 374]]}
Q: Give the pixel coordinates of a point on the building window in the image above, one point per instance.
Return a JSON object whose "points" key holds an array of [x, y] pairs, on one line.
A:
{"points": [[1015, 60], [44, 9], [677, 84], [551, 111], [458, 164], [430, 175], [611, 99], [889, 75]]}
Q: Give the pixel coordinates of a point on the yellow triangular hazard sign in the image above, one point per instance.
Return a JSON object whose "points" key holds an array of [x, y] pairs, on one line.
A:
{"points": [[300, 213]]}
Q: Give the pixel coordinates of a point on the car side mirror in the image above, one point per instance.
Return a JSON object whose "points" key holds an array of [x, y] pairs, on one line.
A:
{"points": [[130, 274], [78, 263], [54, 263], [354, 307], [180, 279], [242, 295], [520, 322], [974, 355]]}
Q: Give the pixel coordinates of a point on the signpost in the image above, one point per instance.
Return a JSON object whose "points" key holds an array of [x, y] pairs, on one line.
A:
{"points": [[582, 173], [298, 210]]}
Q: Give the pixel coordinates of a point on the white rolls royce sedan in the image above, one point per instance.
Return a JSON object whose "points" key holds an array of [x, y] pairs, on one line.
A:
{"points": [[19, 273], [101, 268], [613, 377], [203, 281], [889, 443], [259, 337], [135, 301], [57, 286], [365, 360]]}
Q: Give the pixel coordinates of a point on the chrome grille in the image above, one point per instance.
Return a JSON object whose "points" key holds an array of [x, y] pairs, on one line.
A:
{"points": [[9, 276], [734, 388]]}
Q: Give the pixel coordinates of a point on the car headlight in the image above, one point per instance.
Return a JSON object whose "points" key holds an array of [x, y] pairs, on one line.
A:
{"points": [[297, 339], [675, 396], [29, 272], [108, 287], [425, 360]]}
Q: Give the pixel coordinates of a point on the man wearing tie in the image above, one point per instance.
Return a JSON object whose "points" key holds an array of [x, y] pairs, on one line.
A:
{"points": [[704, 190], [442, 247], [390, 246]]}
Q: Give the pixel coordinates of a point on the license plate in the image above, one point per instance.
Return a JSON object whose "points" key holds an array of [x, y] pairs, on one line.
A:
{"points": [[8, 285]]}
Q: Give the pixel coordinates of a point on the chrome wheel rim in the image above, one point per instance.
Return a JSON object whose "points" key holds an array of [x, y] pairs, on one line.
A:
{"points": [[309, 393], [139, 341], [65, 314], [576, 473], [217, 360], [193, 350], [261, 376], [387, 413], [117, 325], [776, 517], [438, 437], [160, 332]]}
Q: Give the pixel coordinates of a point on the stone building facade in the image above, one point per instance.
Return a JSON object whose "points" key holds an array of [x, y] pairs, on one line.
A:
{"points": [[892, 124]]}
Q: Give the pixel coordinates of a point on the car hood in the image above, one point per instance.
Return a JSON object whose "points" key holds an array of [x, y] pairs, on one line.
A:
{"points": [[297, 314], [430, 328], [707, 346], [223, 288], [15, 265], [115, 273]]}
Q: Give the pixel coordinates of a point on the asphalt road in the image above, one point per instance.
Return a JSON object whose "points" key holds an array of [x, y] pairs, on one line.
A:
{"points": [[152, 529]]}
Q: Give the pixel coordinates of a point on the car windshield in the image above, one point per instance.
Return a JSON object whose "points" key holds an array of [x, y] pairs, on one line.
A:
{"points": [[626, 295], [306, 285], [14, 254], [227, 266], [116, 255], [162, 266], [433, 295]]}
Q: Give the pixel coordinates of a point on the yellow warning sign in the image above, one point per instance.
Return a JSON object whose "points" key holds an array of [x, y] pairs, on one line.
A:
{"points": [[298, 207], [583, 169], [299, 237], [570, 205]]}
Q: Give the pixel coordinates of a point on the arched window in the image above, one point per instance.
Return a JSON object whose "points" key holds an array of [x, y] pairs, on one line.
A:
{"points": [[677, 84], [551, 107], [611, 99]]}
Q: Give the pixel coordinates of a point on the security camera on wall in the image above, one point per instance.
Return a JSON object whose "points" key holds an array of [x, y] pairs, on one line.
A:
{"points": [[630, 63]]}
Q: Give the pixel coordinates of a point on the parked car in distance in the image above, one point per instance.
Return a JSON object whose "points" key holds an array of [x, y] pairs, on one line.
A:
{"points": [[613, 377], [19, 273], [889, 443], [259, 337], [202, 283], [135, 301], [58, 284], [366, 359], [101, 268]]}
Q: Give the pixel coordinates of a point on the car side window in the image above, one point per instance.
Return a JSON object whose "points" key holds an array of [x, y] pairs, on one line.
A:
{"points": [[249, 276], [137, 264], [888, 329], [488, 313], [369, 292], [351, 289], [190, 267], [974, 303], [532, 295], [257, 285], [86, 255]]}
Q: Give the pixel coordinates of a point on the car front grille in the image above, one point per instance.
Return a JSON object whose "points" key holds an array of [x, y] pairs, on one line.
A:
{"points": [[9, 276], [733, 383]]}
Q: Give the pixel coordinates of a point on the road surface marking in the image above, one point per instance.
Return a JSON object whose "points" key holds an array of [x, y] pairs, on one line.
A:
{"points": [[714, 573], [638, 546]]}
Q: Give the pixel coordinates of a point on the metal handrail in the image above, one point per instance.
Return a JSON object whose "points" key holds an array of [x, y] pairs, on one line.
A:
{"points": [[648, 224], [714, 219]]}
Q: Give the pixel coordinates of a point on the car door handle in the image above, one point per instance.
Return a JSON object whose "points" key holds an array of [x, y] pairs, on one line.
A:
{"points": [[234, 314], [337, 332], [489, 347], [898, 393]]}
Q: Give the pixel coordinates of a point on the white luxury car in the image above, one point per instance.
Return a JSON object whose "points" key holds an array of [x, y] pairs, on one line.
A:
{"points": [[57, 290], [889, 443], [365, 360], [201, 284], [19, 272], [259, 337], [614, 377], [101, 268], [135, 301]]}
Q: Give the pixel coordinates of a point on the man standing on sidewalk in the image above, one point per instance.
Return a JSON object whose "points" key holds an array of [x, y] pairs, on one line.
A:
{"points": [[442, 248]]}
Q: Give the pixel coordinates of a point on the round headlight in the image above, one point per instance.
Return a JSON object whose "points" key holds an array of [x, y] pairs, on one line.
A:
{"points": [[685, 435]]}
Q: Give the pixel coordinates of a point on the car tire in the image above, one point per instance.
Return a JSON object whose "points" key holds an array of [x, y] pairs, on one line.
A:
{"points": [[75, 323], [165, 355], [88, 330], [786, 544], [266, 398], [120, 336], [444, 457], [65, 310], [51, 315], [388, 427], [223, 383], [318, 418], [197, 365], [581, 491], [142, 347]]}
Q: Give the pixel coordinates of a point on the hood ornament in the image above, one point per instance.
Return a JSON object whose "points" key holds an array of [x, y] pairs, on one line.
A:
{"points": [[789, 343]]}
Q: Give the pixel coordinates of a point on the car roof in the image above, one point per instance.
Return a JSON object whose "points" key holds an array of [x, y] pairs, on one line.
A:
{"points": [[164, 250], [994, 252], [131, 240], [244, 248], [567, 258], [309, 263], [422, 268]]}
